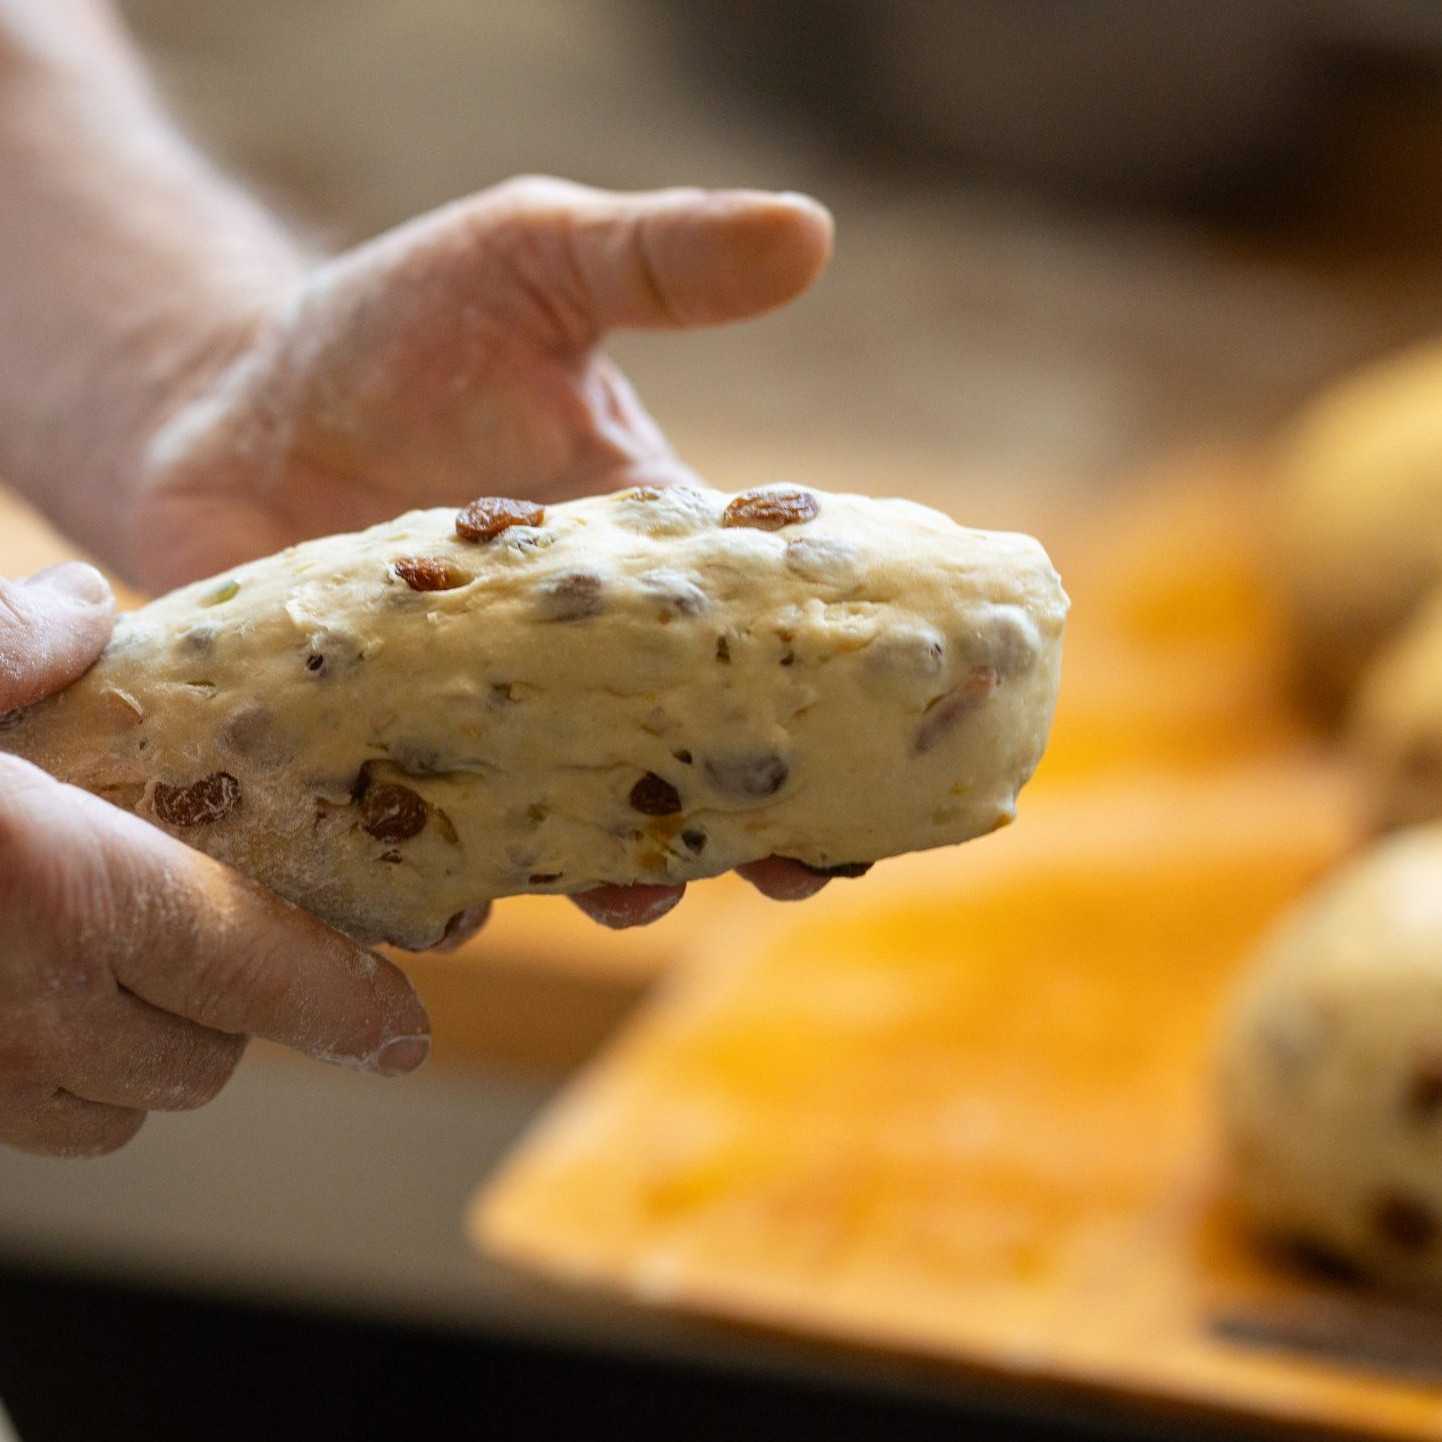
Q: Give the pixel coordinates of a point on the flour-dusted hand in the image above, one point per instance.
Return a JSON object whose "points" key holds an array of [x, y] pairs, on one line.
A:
{"points": [[454, 357], [132, 969]]}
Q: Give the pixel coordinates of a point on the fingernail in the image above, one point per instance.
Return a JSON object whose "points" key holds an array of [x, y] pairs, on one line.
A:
{"points": [[403, 1055], [79, 583]]}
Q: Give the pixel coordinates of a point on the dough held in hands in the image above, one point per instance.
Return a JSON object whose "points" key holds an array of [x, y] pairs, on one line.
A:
{"points": [[392, 727], [1331, 1076], [1359, 534]]}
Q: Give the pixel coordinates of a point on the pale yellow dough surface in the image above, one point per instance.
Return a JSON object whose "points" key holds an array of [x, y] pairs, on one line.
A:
{"points": [[1331, 1077], [873, 680]]}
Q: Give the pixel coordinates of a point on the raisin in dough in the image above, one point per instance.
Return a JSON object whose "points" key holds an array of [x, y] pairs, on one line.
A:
{"points": [[391, 727], [1332, 1068], [1359, 535], [1396, 724]]}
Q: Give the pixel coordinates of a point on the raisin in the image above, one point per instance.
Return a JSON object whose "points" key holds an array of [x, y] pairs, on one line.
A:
{"points": [[789, 659], [1423, 1100], [392, 813], [543, 878], [753, 775], [315, 663], [209, 799], [695, 841], [429, 573], [1404, 1222], [770, 510], [842, 868], [944, 713], [571, 598], [683, 756], [652, 795], [463, 926], [485, 519]]}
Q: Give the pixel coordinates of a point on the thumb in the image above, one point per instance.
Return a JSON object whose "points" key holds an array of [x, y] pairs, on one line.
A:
{"points": [[52, 627], [696, 257], [581, 261]]}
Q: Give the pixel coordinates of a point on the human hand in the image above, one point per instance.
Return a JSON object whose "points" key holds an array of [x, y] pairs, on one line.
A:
{"points": [[133, 969], [458, 356]]}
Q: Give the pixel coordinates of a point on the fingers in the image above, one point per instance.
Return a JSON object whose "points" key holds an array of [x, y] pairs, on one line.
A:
{"points": [[51, 628], [695, 257], [782, 879], [96, 897], [591, 260], [56, 1124], [620, 907], [151, 1059], [776, 877]]}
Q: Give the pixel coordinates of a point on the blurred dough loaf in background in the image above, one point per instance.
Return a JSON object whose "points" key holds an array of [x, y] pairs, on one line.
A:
{"points": [[1331, 1068], [1359, 529]]}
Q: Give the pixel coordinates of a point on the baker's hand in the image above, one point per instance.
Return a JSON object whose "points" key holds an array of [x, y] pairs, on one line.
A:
{"points": [[133, 969], [456, 357]]}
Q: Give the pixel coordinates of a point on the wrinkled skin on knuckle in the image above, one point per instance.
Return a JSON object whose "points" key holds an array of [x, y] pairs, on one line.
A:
{"points": [[237, 981], [57, 909], [62, 909]]}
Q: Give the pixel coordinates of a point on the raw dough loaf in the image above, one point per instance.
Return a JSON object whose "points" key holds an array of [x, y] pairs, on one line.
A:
{"points": [[1396, 725], [1332, 1068], [1359, 537], [391, 727]]}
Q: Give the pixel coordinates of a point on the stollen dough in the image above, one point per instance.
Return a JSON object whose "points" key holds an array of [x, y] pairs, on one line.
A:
{"points": [[391, 727], [1331, 1075]]}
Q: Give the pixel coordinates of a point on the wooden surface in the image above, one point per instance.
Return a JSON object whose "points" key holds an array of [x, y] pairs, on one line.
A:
{"points": [[964, 1115]]}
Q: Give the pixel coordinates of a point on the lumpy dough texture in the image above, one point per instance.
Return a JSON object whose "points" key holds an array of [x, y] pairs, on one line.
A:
{"points": [[1331, 1075], [390, 727]]}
